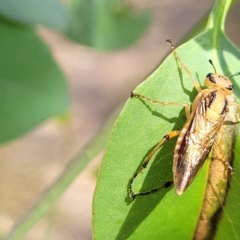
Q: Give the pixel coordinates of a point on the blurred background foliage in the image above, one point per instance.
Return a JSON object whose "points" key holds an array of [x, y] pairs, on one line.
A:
{"points": [[26, 63], [107, 24]]}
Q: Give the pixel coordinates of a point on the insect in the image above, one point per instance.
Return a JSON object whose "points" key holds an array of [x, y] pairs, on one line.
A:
{"points": [[218, 179], [205, 117]]}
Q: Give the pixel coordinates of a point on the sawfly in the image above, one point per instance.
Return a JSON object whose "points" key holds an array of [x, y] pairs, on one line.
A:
{"points": [[212, 108]]}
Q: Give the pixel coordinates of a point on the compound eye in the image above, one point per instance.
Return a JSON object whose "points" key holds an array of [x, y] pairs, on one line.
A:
{"points": [[211, 77], [230, 87]]}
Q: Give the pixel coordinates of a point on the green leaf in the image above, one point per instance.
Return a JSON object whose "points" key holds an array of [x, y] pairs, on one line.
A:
{"points": [[140, 125], [105, 24], [32, 87], [51, 13]]}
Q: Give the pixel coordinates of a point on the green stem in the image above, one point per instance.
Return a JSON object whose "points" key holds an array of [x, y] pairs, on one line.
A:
{"points": [[216, 24], [218, 15]]}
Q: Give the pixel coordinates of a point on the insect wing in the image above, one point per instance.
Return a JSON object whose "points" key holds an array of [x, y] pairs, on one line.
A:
{"points": [[195, 142]]}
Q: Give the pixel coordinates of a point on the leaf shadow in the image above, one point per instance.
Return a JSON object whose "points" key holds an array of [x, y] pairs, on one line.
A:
{"points": [[192, 93], [157, 173], [157, 113]]}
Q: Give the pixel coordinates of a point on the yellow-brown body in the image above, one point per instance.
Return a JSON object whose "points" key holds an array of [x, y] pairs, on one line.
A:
{"points": [[195, 140]]}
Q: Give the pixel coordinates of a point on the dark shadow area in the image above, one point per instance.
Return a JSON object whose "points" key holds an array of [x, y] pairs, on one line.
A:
{"points": [[157, 173]]}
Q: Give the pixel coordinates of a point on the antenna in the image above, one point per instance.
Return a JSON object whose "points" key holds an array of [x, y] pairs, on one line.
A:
{"points": [[235, 74], [212, 65]]}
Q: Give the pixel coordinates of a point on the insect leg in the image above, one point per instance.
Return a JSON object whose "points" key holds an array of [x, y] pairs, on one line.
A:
{"points": [[194, 81], [158, 102], [188, 110], [235, 118], [225, 164], [145, 163], [232, 103], [187, 106]]}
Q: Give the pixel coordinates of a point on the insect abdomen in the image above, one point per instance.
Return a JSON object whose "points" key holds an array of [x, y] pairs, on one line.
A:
{"points": [[196, 139]]}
